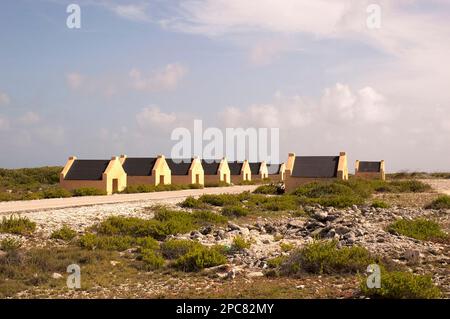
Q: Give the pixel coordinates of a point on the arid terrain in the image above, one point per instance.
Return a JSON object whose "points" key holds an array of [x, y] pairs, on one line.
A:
{"points": [[267, 234]]}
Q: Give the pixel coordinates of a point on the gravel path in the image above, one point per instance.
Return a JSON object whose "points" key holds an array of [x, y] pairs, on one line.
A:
{"points": [[149, 198]]}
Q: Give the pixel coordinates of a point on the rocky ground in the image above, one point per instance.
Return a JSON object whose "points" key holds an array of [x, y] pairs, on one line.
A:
{"points": [[363, 226]]}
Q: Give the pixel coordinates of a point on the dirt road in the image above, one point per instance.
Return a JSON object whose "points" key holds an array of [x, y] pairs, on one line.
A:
{"points": [[55, 203]]}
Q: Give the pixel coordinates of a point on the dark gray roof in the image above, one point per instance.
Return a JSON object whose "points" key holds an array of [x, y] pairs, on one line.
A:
{"points": [[235, 168], [315, 166], [179, 166], [254, 168], [273, 169], [369, 167], [139, 166], [210, 167], [87, 170]]}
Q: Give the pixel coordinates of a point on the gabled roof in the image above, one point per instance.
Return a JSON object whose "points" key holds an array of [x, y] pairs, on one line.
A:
{"points": [[369, 167], [235, 167], [87, 170], [254, 168], [179, 166], [273, 169], [315, 166], [139, 166], [210, 167]]}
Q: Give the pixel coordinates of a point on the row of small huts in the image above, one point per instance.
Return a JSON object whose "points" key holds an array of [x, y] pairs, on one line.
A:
{"points": [[116, 174]]}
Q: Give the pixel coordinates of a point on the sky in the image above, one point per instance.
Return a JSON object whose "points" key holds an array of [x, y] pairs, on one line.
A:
{"points": [[136, 70]]}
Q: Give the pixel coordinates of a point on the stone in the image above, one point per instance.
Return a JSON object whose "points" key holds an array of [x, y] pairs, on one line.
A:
{"points": [[320, 215], [233, 226], [56, 275], [341, 230], [296, 223], [317, 232], [255, 274]]}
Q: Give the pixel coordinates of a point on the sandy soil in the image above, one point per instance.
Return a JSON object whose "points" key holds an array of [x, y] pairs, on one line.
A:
{"points": [[440, 185]]}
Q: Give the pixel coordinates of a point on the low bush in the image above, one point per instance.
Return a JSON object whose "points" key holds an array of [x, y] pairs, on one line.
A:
{"points": [[10, 244], [147, 243], [217, 184], [119, 243], [269, 189], [191, 202], [276, 262], [379, 204], [126, 226], [325, 257], [402, 285], [285, 247], [17, 225], [419, 228], [220, 200], [200, 258], [166, 222], [235, 211], [399, 186], [280, 203], [337, 194], [152, 259], [56, 192], [239, 244], [442, 202], [88, 191], [175, 248], [64, 233]]}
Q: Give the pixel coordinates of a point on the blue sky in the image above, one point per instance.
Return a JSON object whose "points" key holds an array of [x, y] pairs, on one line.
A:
{"points": [[138, 69]]}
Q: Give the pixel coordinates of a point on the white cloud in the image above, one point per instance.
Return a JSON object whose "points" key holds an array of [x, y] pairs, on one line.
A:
{"points": [[131, 11], [29, 118], [214, 17], [163, 79], [152, 117], [4, 99], [338, 105], [74, 80]]}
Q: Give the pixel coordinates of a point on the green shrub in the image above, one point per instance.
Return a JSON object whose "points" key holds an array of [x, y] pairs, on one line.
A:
{"points": [[402, 285], [419, 228], [399, 186], [217, 184], [337, 194], [276, 262], [152, 259], [119, 243], [442, 202], [10, 244], [56, 192], [220, 200], [17, 225], [280, 203], [324, 257], [64, 233], [239, 244], [88, 191], [175, 248], [200, 258], [131, 189], [195, 186], [269, 189], [127, 226], [191, 202], [380, 204], [235, 211], [147, 243], [285, 247], [166, 222]]}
